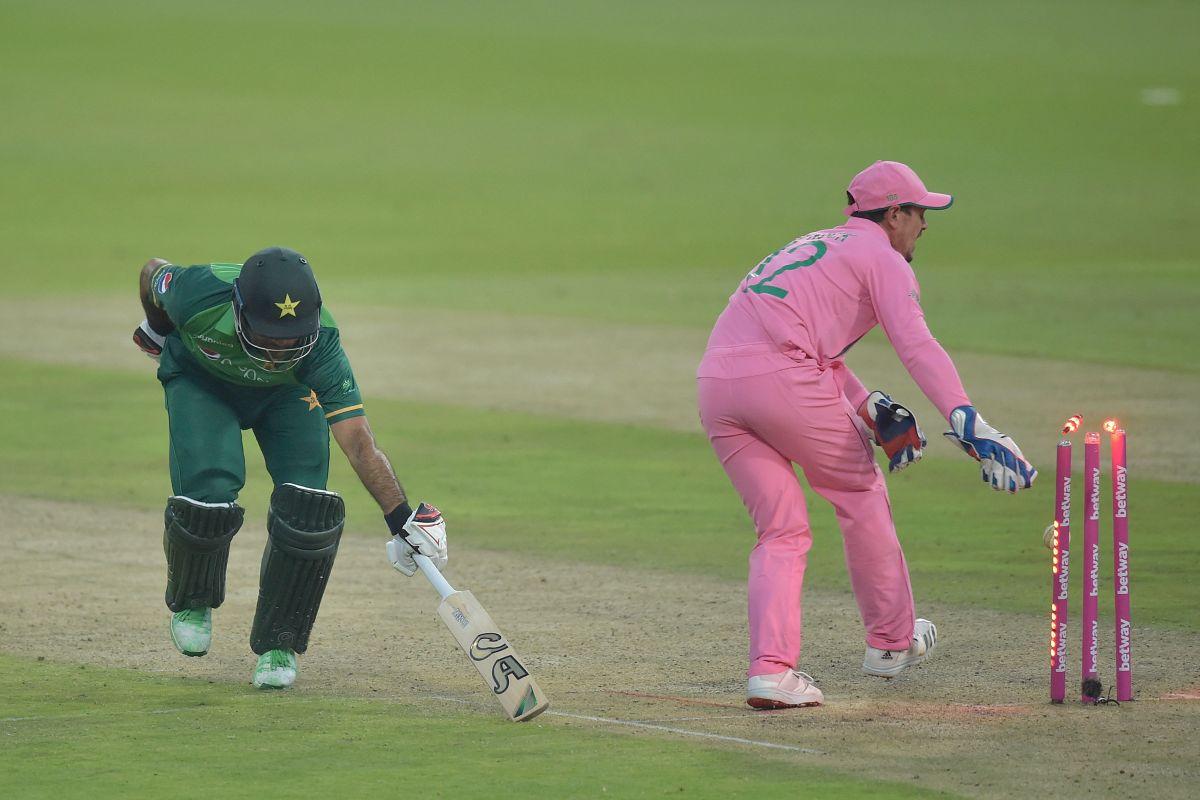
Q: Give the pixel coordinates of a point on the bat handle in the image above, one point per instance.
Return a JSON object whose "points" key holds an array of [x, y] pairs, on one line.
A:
{"points": [[435, 577]]}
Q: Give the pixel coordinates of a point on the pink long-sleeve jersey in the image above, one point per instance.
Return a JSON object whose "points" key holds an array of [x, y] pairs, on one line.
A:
{"points": [[812, 299]]}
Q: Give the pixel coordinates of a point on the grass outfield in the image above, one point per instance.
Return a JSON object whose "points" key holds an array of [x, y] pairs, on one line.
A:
{"points": [[626, 162], [597, 175]]}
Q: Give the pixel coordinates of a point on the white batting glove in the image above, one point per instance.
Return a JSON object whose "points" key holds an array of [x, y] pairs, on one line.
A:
{"points": [[1002, 463], [423, 532]]}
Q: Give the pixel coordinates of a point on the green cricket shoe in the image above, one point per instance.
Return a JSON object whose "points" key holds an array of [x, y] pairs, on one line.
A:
{"points": [[191, 630], [276, 669]]}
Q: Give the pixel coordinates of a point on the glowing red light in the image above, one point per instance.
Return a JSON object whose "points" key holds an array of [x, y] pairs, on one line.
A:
{"points": [[1072, 424], [1110, 425]]}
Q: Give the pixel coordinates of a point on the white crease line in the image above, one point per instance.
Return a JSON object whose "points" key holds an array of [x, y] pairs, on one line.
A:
{"points": [[664, 728], [702, 719], [685, 732]]}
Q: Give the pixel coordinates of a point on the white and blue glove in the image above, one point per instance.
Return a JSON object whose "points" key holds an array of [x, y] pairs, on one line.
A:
{"points": [[1002, 463], [894, 428]]}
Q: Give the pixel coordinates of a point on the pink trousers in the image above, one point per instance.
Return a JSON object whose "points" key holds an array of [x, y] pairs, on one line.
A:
{"points": [[759, 426]]}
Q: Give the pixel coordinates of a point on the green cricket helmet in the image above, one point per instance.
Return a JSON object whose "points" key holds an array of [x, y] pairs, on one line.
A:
{"points": [[276, 300]]}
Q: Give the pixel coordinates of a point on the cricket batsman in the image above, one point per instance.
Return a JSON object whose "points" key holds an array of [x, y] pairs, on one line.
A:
{"points": [[774, 391], [251, 347]]}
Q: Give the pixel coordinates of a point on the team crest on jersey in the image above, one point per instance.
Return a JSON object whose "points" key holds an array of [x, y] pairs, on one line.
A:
{"points": [[164, 283]]}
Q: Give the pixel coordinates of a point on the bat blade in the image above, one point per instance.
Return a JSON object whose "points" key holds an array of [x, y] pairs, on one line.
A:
{"points": [[501, 668]]}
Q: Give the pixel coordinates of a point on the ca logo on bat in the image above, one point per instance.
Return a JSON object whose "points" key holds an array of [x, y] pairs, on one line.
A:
{"points": [[487, 645]]}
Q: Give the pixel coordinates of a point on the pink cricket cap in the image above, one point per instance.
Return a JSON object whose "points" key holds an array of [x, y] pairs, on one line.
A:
{"points": [[890, 183]]}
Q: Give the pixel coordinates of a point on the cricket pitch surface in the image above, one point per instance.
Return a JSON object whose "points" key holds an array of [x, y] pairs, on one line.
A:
{"points": [[633, 652]]}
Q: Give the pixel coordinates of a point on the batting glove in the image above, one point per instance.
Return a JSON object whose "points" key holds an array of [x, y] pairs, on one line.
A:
{"points": [[422, 531], [1002, 463], [894, 428], [148, 340]]}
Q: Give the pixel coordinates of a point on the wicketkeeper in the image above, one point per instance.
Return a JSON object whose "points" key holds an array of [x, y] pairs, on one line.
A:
{"points": [[774, 391], [251, 347]]}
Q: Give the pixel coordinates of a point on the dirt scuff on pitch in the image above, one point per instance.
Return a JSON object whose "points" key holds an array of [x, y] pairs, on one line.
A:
{"points": [[84, 585]]}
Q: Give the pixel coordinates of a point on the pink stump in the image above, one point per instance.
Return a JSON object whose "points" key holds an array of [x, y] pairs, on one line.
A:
{"points": [[1061, 568], [1091, 566], [1121, 568]]}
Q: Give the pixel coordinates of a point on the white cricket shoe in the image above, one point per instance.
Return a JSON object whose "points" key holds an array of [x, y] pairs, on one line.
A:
{"points": [[191, 631], [890, 663], [790, 689], [276, 669]]}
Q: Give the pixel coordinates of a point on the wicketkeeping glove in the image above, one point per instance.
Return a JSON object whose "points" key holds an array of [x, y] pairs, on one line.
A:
{"points": [[894, 428], [148, 340], [422, 531], [1003, 465]]}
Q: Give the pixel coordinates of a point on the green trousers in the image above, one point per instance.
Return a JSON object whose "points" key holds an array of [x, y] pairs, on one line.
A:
{"points": [[207, 417]]}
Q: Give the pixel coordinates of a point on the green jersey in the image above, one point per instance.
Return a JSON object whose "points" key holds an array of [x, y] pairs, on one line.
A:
{"points": [[199, 301]]}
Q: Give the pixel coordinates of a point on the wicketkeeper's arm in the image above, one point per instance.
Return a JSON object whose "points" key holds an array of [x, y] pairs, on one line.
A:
{"points": [[895, 300], [853, 389]]}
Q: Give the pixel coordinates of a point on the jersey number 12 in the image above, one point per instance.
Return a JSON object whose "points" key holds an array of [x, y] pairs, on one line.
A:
{"points": [[764, 286]]}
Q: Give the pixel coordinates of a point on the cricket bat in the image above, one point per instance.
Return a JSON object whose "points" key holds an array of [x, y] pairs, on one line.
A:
{"points": [[486, 647]]}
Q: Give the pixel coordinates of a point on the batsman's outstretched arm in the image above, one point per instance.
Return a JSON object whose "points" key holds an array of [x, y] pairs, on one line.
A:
{"points": [[357, 441], [416, 531]]}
